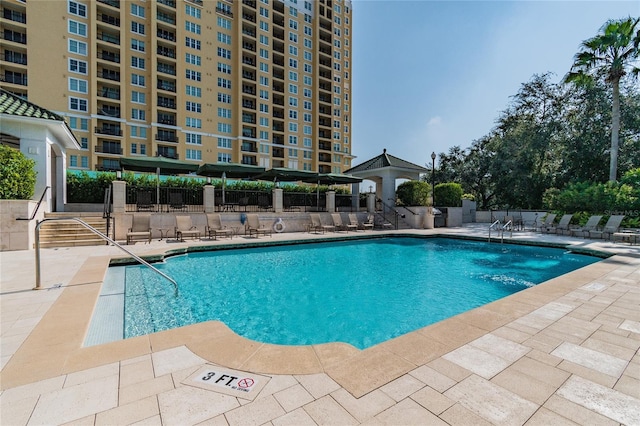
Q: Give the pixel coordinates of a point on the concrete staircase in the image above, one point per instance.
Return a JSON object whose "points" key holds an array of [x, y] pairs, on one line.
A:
{"points": [[70, 233]]}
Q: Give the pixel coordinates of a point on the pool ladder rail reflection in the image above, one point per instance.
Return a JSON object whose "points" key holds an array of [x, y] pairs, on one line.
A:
{"points": [[101, 235], [501, 229]]}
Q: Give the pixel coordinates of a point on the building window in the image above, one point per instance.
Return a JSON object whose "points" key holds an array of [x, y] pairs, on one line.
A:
{"points": [[224, 128], [138, 80], [84, 143], [193, 75], [224, 23], [134, 148], [224, 98], [293, 24], [77, 66], [192, 27], [224, 83], [193, 91], [138, 114], [293, 127], [194, 154], [192, 43], [224, 38], [224, 68], [223, 157], [194, 106], [78, 9], [224, 143], [224, 112], [137, 10], [224, 53], [138, 97], [78, 104], [73, 161], [137, 45], [194, 122], [293, 140], [193, 59], [264, 121], [78, 47], [194, 139], [137, 27], [137, 62], [77, 85]]}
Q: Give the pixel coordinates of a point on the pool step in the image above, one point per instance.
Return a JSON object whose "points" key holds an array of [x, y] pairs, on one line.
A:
{"points": [[69, 233]]}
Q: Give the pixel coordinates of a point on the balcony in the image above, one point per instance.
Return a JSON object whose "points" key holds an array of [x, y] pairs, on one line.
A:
{"points": [[167, 153], [251, 17], [278, 74], [166, 102], [278, 6], [166, 69], [167, 137], [167, 120], [14, 16], [324, 146], [248, 104], [278, 127], [249, 147], [109, 111], [249, 90], [248, 61], [108, 19], [278, 46], [250, 3], [278, 152], [278, 88], [166, 85], [249, 46], [14, 78], [109, 75], [249, 160], [109, 93], [278, 33], [108, 149], [109, 56], [169, 3], [166, 35], [325, 158], [164, 17], [249, 75], [112, 3], [166, 52], [278, 140], [225, 10], [248, 133], [15, 57], [249, 118], [109, 130], [109, 38], [278, 100], [15, 36], [278, 114]]}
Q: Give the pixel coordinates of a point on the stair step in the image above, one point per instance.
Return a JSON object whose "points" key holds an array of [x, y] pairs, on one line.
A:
{"points": [[70, 233]]}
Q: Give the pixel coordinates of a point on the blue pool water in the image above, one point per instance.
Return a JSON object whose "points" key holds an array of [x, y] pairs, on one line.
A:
{"points": [[360, 292]]}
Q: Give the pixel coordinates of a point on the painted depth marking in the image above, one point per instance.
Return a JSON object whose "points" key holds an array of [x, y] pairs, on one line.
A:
{"points": [[218, 378]]}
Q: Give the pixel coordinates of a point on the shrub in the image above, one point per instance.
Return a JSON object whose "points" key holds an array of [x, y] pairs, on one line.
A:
{"points": [[17, 175], [448, 194], [414, 193]]}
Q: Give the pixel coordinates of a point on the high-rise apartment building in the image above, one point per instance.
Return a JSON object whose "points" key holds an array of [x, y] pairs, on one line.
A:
{"points": [[263, 82]]}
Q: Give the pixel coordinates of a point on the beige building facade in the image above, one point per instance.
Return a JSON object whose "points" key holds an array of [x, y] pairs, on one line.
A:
{"points": [[263, 82]]}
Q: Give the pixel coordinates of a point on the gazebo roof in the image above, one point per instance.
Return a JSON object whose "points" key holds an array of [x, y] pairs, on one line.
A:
{"points": [[14, 105], [385, 160]]}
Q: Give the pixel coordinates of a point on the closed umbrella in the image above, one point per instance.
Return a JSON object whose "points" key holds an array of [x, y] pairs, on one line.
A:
{"points": [[229, 170]]}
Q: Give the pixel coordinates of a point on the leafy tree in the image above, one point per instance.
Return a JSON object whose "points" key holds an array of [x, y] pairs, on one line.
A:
{"points": [[613, 54], [17, 175]]}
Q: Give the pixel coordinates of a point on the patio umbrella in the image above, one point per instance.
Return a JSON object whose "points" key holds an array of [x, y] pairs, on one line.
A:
{"points": [[283, 174], [332, 179], [159, 165], [229, 170]]}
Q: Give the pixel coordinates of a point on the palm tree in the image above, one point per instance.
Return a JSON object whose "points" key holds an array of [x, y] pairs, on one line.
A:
{"points": [[612, 54]]}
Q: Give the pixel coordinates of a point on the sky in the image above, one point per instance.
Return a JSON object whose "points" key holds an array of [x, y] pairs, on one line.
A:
{"points": [[429, 75]]}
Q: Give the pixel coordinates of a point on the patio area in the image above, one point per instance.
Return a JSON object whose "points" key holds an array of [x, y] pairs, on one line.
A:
{"points": [[563, 352]]}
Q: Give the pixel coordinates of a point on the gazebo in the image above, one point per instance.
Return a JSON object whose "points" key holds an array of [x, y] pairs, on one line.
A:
{"points": [[384, 170]]}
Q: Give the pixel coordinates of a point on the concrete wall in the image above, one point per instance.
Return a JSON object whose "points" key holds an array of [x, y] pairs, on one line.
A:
{"points": [[18, 234]]}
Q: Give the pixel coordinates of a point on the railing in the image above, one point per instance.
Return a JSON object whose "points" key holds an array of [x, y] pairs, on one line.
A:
{"points": [[37, 205], [242, 200], [493, 226], [386, 209], [164, 199], [101, 235], [344, 203]]}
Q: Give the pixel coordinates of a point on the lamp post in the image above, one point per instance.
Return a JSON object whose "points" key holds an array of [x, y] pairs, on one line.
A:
{"points": [[433, 178]]}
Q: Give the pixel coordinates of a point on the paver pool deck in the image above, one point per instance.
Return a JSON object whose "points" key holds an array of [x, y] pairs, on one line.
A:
{"points": [[564, 352]]}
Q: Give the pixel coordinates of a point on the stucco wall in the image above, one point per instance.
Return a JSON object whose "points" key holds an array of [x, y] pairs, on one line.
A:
{"points": [[18, 234]]}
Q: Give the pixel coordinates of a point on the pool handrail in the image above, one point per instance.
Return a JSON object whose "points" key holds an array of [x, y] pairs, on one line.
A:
{"points": [[104, 237]]}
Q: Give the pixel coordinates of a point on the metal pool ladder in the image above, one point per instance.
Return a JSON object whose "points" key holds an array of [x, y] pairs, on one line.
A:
{"points": [[501, 230], [104, 237]]}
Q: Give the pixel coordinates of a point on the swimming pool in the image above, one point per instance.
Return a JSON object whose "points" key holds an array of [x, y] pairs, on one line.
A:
{"points": [[360, 292]]}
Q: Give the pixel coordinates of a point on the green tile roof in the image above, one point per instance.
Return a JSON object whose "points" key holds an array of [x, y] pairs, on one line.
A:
{"points": [[386, 160], [14, 105]]}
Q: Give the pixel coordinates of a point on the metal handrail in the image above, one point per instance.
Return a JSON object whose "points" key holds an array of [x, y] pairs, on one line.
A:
{"points": [[497, 222], [37, 207], [100, 234]]}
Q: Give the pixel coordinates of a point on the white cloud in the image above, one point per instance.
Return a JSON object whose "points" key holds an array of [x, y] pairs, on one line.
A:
{"points": [[435, 121]]}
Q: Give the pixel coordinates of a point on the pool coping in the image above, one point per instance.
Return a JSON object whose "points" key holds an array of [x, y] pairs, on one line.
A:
{"points": [[55, 345]]}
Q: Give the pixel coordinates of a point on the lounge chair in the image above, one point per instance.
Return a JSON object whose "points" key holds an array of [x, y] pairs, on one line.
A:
{"points": [[591, 225], [548, 221], [214, 227], [144, 201], [369, 223], [140, 228], [355, 223], [316, 223], [611, 227], [340, 226], [185, 228], [255, 227], [561, 228]]}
